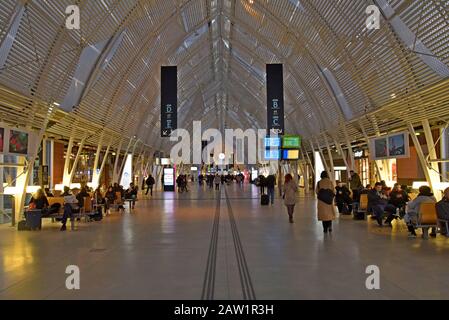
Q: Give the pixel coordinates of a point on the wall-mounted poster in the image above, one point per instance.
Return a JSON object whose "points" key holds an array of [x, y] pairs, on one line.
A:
{"points": [[392, 146], [2, 139], [18, 142], [380, 148], [397, 145]]}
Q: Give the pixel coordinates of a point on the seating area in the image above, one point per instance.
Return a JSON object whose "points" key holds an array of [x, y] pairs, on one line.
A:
{"points": [[427, 217], [89, 208]]}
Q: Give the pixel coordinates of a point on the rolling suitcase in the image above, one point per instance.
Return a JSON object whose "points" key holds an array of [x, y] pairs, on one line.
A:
{"points": [[34, 219], [264, 200]]}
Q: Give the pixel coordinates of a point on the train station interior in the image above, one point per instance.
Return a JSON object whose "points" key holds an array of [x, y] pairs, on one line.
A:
{"points": [[224, 149]]}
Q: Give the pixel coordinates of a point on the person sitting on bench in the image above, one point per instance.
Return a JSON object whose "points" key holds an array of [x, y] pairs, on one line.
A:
{"points": [[343, 198], [412, 209], [99, 201], [398, 200], [378, 201], [110, 198], [71, 206], [443, 210], [81, 195], [131, 193], [39, 200]]}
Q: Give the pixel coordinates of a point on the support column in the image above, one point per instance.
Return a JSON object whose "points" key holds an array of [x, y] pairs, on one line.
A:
{"points": [[103, 163], [21, 184], [306, 170], [97, 159], [308, 160], [331, 160], [75, 163], [379, 175], [420, 153], [322, 158], [22, 180], [97, 175], [445, 152], [117, 174], [434, 170], [305, 174], [66, 175], [350, 153], [117, 156], [342, 153]]}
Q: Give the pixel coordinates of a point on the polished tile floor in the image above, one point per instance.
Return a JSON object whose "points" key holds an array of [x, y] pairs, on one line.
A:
{"points": [[221, 245]]}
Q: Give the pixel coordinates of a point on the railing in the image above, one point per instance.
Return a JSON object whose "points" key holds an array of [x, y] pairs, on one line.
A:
{"points": [[6, 208]]}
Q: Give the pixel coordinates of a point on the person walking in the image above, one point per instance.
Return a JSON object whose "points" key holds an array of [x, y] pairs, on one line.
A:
{"points": [[217, 181], [150, 184], [270, 183], [326, 211], [290, 191]]}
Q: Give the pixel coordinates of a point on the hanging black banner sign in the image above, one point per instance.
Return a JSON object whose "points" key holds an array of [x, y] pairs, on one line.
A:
{"points": [[275, 99], [169, 100]]}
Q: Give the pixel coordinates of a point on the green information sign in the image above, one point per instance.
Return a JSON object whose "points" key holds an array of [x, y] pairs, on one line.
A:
{"points": [[291, 142]]}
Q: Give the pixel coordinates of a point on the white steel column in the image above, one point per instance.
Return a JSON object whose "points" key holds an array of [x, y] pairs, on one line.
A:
{"points": [[117, 156], [350, 153], [379, 175], [75, 163], [420, 153], [66, 174], [117, 174], [434, 170], [342, 153], [331, 160], [445, 152], [322, 158], [97, 159]]}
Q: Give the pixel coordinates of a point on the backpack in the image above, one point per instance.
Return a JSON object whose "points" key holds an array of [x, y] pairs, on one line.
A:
{"points": [[326, 195]]}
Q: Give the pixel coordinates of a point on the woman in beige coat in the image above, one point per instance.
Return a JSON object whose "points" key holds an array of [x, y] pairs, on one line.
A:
{"points": [[290, 195], [326, 212]]}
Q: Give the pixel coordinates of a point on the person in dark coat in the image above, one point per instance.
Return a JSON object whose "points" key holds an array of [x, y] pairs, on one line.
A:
{"points": [[377, 201], [356, 185], [343, 198], [150, 184], [270, 183], [442, 207]]}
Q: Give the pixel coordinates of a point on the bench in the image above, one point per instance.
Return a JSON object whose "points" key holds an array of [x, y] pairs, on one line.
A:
{"points": [[361, 206], [54, 200], [87, 209], [130, 201], [84, 212], [118, 202], [427, 218]]}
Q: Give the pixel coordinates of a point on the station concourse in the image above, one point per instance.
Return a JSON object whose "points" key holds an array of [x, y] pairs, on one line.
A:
{"points": [[224, 150]]}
